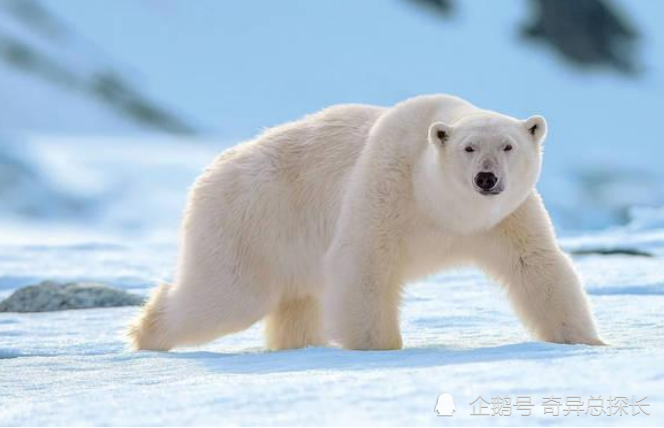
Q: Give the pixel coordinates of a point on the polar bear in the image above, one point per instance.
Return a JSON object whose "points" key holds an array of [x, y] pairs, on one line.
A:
{"points": [[336, 212]]}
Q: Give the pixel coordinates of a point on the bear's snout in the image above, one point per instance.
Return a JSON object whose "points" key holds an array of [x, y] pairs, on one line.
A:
{"points": [[486, 183]]}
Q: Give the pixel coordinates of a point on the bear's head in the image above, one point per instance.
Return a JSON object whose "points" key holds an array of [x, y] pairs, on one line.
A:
{"points": [[487, 163]]}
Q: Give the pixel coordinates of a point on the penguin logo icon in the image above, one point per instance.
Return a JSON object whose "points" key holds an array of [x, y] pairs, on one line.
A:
{"points": [[445, 405]]}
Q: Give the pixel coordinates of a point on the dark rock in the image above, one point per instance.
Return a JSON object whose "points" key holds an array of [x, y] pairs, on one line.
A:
{"points": [[585, 32], [50, 296], [442, 8]]}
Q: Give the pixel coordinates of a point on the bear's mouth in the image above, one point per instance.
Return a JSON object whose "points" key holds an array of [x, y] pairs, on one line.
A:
{"points": [[491, 192]]}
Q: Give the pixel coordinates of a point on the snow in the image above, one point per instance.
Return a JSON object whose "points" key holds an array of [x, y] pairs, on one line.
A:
{"points": [[73, 367]]}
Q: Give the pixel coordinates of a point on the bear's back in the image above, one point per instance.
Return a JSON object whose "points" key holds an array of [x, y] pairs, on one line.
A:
{"points": [[324, 144], [297, 172]]}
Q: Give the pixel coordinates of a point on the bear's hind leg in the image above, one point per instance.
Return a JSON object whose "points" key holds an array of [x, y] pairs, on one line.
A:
{"points": [[147, 330], [295, 323], [367, 316], [191, 314]]}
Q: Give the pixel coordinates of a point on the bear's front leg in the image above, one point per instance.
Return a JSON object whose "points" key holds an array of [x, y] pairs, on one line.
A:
{"points": [[364, 296], [547, 294], [543, 286], [363, 266]]}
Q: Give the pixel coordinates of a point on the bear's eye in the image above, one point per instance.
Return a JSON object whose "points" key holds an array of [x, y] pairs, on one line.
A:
{"points": [[508, 148], [469, 149]]}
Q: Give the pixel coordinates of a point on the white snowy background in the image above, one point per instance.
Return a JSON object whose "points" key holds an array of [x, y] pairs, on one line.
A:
{"points": [[93, 181]]}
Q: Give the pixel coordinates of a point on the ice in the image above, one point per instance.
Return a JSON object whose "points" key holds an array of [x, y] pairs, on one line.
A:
{"points": [[460, 336]]}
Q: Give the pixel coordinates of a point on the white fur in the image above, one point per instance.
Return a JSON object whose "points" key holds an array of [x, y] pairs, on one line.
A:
{"points": [[336, 212]]}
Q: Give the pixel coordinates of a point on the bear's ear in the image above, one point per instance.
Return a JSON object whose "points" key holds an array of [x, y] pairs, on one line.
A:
{"points": [[536, 127], [439, 133]]}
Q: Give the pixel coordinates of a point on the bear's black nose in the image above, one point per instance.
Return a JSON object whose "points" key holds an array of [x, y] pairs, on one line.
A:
{"points": [[486, 180]]}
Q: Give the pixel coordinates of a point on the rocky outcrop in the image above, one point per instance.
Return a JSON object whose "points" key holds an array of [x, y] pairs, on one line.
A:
{"points": [[50, 296]]}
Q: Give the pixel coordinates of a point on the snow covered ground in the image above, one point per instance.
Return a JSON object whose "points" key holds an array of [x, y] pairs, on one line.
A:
{"points": [[460, 335]]}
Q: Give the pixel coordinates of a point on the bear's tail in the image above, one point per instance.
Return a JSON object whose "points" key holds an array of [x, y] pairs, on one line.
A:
{"points": [[149, 331]]}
